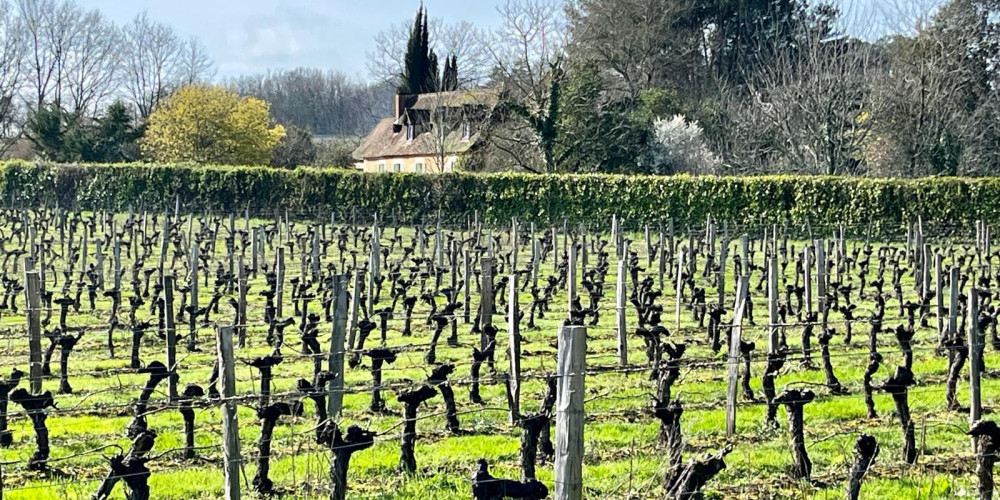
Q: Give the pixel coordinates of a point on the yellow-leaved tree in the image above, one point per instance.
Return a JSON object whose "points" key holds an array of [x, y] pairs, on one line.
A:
{"points": [[209, 124]]}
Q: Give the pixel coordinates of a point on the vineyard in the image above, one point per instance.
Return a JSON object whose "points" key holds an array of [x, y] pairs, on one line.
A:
{"points": [[186, 356]]}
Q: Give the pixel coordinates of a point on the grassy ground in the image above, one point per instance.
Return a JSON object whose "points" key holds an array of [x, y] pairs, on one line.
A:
{"points": [[622, 460]]}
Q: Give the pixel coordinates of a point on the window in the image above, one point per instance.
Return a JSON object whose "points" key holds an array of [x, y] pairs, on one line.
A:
{"points": [[381, 168], [451, 166], [466, 130], [410, 131], [397, 167], [419, 168]]}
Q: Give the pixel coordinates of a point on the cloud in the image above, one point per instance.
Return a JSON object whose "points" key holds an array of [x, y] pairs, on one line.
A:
{"points": [[283, 38]]}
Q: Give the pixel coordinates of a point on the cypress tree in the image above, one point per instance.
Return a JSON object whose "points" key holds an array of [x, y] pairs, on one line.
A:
{"points": [[449, 81], [415, 60], [433, 84]]}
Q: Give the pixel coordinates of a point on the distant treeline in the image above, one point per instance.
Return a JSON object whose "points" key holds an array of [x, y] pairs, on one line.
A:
{"points": [[327, 103]]}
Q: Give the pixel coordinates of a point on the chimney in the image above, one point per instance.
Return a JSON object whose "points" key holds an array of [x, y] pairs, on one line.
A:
{"points": [[402, 102]]}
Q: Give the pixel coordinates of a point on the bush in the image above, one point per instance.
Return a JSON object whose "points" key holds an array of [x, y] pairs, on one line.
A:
{"points": [[546, 199], [678, 146]]}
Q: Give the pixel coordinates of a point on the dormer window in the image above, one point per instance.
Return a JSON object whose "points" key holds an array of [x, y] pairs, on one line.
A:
{"points": [[410, 132]]}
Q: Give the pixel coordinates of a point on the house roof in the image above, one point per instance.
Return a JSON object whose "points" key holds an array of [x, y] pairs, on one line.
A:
{"points": [[388, 139], [456, 98], [383, 142]]}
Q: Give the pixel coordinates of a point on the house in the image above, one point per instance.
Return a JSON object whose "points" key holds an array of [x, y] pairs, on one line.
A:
{"points": [[429, 132]]}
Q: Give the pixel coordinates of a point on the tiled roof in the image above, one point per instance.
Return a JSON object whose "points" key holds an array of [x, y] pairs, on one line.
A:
{"points": [[389, 139]]}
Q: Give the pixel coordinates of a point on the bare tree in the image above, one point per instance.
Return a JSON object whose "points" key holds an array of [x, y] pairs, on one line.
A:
{"points": [[51, 28], [194, 64], [93, 63], [527, 51], [461, 39], [385, 61], [150, 66], [641, 43], [327, 103], [816, 103], [12, 50]]}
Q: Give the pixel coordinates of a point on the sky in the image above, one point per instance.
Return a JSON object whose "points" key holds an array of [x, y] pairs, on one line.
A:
{"points": [[249, 36]]}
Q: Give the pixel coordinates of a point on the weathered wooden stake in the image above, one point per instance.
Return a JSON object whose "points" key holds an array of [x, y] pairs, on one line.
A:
{"points": [[170, 332], [335, 362], [679, 290], [232, 460], [514, 336], [32, 290], [735, 341], [621, 303], [976, 345], [571, 364], [773, 340]]}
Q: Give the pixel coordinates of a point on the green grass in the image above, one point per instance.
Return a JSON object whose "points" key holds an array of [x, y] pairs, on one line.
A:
{"points": [[622, 458]]}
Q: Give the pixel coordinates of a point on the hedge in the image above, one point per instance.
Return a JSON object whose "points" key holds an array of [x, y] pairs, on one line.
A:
{"points": [[823, 201]]}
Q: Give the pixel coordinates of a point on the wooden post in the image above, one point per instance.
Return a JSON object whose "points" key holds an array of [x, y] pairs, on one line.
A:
{"points": [[662, 264], [807, 283], [254, 264], [352, 317], [33, 292], [939, 293], [735, 338], [953, 293], [571, 365], [614, 236], [772, 304], [536, 252], [976, 344], [649, 248], [514, 336], [170, 332], [193, 290], [279, 293], [721, 278], [232, 460], [118, 264], [466, 292], [680, 288], [335, 362], [571, 276], [241, 304], [621, 302], [745, 253], [838, 257], [485, 299], [821, 279], [100, 263], [513, 245], [261, 247], [555, 250], [925, 271], [84, 250], [164, 245], [373, 269], [315, 256]]}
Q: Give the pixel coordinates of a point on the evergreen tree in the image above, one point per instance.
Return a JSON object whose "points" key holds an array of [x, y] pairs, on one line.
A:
{"points": [[415, 61], [449, 80], [433, 83], [47, 132], [115, 136], [421, 72], [453, 81]]}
